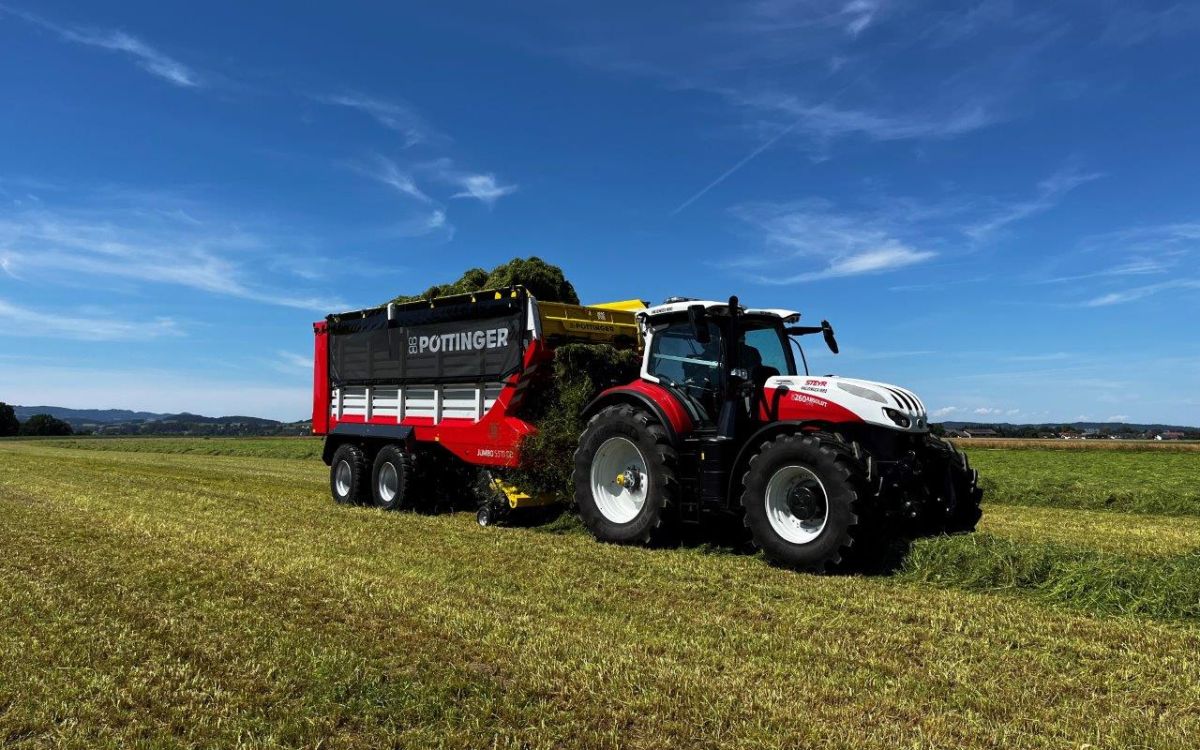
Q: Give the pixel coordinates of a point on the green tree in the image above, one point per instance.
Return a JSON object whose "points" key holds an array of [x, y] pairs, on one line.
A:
{"points": [[44, 424], [9, 425]]}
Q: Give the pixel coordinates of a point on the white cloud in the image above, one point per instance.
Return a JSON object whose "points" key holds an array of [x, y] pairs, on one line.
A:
{"points": [[133, 244], [812, 234], [483, 188], [148, 58], [419, 226], [396, 116], [827, 120], [290, 362], [945, 411], [385, 170], [22, 321], [1140, 292], [1049, 192], [1118, 418], [985, 411]]}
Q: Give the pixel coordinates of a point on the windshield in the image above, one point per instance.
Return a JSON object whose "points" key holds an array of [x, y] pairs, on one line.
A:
{"points": [[763, 345]]}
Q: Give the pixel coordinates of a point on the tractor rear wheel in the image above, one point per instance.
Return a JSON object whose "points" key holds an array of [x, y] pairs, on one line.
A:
{"points": [[625, 477], [392, 479], [803, 498], [348, 475]]}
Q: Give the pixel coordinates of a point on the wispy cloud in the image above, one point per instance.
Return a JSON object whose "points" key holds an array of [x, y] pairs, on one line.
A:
{"points": [[1140, 292], [827, 120], [1050, 192], [811, 233], [434, 222], [1166, 250], [483, 188], [386, 171], [145, 56], [394, 115], [23, 321], [109, 243]]}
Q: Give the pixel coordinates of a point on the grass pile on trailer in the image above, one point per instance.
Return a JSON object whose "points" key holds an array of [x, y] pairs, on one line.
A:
{"points": [[703, 416]]}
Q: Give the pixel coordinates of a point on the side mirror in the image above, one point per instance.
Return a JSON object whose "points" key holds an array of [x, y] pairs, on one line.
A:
{"points": [[698, 317], [830, 339]]}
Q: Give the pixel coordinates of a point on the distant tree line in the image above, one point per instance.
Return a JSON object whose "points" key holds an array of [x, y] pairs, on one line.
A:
{"points": [[37, 425]]}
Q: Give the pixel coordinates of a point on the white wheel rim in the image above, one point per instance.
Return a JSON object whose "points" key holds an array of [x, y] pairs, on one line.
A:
{"points": [[342, 477], [389, 482], [620, 482], [788, 525]]}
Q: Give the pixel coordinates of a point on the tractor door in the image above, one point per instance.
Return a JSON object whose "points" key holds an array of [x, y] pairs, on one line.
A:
{"points": [[691, 368]]}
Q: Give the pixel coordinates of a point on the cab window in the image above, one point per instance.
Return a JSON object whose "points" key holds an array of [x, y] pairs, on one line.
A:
{"points": [[677, 357], [765, 347]]}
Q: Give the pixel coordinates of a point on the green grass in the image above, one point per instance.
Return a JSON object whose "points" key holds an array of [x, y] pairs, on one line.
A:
{"points": [[262, 447], [1165, 587], [165, 600], [1149, 481]]}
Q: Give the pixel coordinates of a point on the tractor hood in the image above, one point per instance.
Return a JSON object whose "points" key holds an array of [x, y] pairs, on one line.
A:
{"points": [[839, 399]]}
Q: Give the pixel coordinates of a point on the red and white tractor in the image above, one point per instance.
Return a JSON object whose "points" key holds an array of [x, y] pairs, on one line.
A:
{"points": [[721, 425]]}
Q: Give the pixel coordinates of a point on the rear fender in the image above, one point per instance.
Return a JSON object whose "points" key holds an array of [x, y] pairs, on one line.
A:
{"points": [[660, 402]]}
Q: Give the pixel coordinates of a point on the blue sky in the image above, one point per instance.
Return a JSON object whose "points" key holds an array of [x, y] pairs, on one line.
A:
{"points": [[995, 203]]}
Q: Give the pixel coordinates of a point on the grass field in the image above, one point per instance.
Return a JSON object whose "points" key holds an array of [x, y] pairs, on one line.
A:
{"points": [[171, 592]]}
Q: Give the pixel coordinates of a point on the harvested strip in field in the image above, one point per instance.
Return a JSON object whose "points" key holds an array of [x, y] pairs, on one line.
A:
{"points": [[1165, 587], [1140, 535], [264, 447], [151, 599], [1158, 482]]}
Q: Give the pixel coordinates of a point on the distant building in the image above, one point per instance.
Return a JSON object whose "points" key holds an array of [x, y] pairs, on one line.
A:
{"points": [[980, 432], [1169, 435]]}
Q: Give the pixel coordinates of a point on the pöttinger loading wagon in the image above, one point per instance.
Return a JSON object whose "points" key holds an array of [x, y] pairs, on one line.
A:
{"points": [[720, 425]]}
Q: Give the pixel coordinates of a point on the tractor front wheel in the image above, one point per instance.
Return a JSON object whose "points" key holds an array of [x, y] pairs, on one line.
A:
{"points": [[803, 501], [624, 477]]}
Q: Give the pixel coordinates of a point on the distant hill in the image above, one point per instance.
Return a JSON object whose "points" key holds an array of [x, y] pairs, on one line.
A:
{"points": [[86, 416], [1112, 427], [127, 422]]}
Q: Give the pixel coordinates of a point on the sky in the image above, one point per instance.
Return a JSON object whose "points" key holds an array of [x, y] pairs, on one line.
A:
{"points": [[995, 203]]}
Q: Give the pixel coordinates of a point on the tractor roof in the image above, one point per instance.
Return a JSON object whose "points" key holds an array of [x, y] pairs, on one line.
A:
{"points": [[679, 305]]}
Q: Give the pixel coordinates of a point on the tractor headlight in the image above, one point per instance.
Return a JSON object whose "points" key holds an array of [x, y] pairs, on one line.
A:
{"points": [[899, 418], [861, 392]]}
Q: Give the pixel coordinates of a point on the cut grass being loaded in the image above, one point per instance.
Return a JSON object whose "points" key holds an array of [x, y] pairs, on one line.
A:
{"points": [[160, 600]]}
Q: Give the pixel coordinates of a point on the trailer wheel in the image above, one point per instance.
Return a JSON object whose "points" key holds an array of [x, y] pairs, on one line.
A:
{"points": [[392, 479], [625, 479], [348, 475], [802, 497]]}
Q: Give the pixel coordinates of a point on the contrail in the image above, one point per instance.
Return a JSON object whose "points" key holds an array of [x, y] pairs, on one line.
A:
{"points": [[746, 160]]}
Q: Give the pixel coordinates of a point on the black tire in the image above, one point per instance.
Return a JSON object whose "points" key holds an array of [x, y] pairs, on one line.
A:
{"points": [[653, 522], [392, 479], [348, 475], [837, 532], [965, 511]]}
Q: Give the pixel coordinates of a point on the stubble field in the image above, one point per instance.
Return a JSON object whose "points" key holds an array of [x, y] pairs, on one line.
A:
{"points": [[178, 592]]}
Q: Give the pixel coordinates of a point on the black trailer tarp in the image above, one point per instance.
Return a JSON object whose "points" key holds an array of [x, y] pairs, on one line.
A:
{"points": [[471, 342]]}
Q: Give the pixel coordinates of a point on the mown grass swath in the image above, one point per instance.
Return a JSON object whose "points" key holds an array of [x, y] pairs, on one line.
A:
{"points": [[163, 599], [1163, 482]]}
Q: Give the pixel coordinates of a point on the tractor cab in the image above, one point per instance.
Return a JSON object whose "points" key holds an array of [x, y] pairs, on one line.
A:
{"points": [[719, 357]]}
